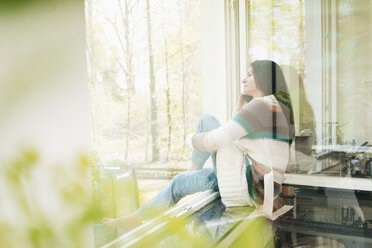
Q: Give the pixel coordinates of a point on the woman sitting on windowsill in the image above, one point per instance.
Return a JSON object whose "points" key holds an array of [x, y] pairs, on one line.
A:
{"points": [[250, 152]]}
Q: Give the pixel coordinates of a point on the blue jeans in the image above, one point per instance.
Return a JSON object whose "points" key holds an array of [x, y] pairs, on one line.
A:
{"points": [[189, 182]]}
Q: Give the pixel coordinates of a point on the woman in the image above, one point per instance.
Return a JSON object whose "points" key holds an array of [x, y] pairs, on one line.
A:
{"points": [[263, 129], [252, 150]]}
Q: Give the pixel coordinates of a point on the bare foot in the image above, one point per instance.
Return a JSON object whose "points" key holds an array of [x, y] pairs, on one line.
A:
{"points": [[127, 222]]}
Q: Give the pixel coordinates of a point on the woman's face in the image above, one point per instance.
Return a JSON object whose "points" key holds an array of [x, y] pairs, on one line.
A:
{"points": [[249, 85]]}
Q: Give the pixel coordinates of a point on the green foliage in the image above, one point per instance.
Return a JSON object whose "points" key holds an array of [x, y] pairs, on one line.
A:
{"points": [[40, 234], [30, 223], [258, 234], [185, 234], [22, 166], [271, 36], [11, 5]]}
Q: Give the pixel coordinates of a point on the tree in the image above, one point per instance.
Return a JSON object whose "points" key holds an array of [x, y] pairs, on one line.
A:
{"points": [[180, 38], [125, 50], [129, 66], [153, 102], [128, 50], [168, 101]]}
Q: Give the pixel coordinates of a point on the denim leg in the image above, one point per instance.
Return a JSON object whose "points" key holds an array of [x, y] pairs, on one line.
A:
{"points": [[180, 186], [186, 183], [206, 124]]}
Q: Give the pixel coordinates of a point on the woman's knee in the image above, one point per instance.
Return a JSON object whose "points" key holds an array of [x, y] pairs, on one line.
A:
{"points": [[177, 187], [177, 182], [191, 182], [207, 118], [207, 123], [178, 178]]}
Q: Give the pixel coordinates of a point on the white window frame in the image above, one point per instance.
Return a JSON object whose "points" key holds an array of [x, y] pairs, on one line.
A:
{"points": [[233, 46], [214, 60]]}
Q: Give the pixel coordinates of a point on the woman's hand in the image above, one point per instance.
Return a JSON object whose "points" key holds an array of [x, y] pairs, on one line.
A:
{"points": [[188, 141], [243, 99]]}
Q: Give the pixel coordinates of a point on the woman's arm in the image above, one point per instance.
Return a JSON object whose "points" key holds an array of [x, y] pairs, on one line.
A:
{"points": [[244, 122], [220, 137]]}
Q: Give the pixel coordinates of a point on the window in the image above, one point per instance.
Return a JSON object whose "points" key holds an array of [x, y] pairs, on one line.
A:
{"points": [[146, 96], [143, 110], [324, 49]]}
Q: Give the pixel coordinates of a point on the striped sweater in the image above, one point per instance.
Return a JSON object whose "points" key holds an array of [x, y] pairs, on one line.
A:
{"points": [[252, 144]]}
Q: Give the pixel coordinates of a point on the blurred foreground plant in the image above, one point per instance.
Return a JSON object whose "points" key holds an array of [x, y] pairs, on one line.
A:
{"points": [[46, 205], [258, 233]]}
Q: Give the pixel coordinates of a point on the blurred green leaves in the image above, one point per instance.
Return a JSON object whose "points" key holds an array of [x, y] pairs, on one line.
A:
{"points": [[21, 166], [258, 234], [41, 233], [46, 212], [15, 5]]}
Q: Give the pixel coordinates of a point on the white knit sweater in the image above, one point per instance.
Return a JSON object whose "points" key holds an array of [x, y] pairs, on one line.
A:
{"points": [[231, 175]]}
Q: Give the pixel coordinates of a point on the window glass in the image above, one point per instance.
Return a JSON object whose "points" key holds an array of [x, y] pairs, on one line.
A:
{"points": [[324, 50], [145, 97], [353, 72]]}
